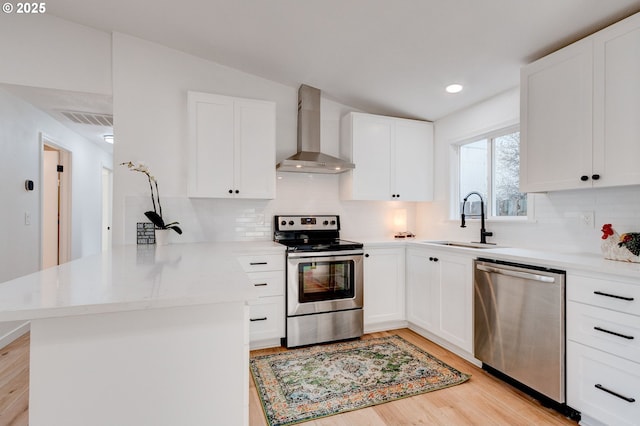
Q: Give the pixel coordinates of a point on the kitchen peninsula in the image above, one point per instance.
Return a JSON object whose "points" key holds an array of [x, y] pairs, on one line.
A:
{"points": [[139, 335]]}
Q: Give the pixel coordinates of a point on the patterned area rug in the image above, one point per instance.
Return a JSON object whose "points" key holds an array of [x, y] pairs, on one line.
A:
{"points": [[304, 384]]}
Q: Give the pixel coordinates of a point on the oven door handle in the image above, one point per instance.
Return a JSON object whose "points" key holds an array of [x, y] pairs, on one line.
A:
{"points": [[317, 254]]}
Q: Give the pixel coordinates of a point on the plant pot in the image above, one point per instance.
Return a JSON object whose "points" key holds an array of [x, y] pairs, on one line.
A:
{"points": [[162, 237]]}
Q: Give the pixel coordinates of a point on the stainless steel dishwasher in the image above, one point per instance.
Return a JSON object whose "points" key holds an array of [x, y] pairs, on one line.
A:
{"points": [[519, 324]]}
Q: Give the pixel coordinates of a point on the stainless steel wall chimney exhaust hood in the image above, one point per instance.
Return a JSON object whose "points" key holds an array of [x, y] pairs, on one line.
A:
{"points": [[309, 159]]}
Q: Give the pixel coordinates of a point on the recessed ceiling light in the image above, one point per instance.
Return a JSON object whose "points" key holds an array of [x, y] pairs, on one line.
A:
{"points": [[454, 88], [108, 138]]}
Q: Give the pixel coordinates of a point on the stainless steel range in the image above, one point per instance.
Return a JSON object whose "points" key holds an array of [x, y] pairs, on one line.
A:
{"points": [[324, 280]]}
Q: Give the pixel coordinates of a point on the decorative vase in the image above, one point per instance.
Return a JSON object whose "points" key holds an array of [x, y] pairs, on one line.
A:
{"points": [[162, 237]]}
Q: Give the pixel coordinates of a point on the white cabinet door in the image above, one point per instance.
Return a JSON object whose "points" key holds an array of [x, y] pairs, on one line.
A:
{"points": [[440, 294], [255, 149], [617, 104], [384, 272], [211, 148], [413, 161], [393, 158], [421, 291], [454, 276], [556, 120], [372, 140], [231, 147]]}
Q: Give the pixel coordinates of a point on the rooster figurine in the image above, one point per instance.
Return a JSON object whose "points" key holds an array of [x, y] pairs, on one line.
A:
{"points": [[620, 247]]}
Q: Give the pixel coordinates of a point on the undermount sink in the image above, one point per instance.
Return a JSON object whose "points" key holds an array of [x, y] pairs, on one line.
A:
{"points": [[463, 244]]}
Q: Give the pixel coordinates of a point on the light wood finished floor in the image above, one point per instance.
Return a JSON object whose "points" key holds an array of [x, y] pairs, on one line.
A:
{"points": [[483, 400], [14, 382]]}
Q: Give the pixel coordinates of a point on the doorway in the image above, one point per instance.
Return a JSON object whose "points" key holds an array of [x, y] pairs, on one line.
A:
{"points": [[56, 205]]}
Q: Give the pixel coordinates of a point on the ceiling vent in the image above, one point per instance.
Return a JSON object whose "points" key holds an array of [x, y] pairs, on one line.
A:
{"points": [[90, 118]]}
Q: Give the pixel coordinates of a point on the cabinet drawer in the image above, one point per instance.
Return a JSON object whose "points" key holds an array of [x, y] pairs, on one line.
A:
{"points": [[266, 318], [603, 386], [268, 283], [264, 262], [610, 331], [610, 294]]}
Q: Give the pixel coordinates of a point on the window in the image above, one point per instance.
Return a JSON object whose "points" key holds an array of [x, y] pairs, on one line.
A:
{"points": [[490, 165]]}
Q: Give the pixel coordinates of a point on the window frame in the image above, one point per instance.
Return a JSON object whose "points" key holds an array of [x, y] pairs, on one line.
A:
{"points": [[454, 191]]}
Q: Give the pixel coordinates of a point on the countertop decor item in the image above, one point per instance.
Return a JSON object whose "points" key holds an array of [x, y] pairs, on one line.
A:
{"points": [[323, 380], [625, 247], [154, 216]]}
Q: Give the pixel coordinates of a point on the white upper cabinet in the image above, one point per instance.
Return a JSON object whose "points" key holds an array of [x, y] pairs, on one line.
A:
{"points": [[393, 158], [556, 120], [579, 109], [616, 139], [232, 147]]}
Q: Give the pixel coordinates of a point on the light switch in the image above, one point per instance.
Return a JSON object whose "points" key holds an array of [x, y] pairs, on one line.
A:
{"points": [[27, 218]]}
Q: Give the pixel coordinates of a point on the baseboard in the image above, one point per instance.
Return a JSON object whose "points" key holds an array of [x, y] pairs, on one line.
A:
{"points": [[12, 335], [585, 420], [264, 344], [384, 326], [443, 343]]}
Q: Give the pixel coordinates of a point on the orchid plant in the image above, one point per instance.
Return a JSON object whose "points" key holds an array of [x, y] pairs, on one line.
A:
{"points": [[154, 216]]}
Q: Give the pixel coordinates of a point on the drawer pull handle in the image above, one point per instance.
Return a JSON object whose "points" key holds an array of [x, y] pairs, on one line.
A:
{"points": [[260, 284], [614, 333], [626, 398], [258, 319], [257, 263], [599, 293]]}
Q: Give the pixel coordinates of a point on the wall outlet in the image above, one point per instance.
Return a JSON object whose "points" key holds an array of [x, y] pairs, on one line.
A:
{"points": [[586, 219]]}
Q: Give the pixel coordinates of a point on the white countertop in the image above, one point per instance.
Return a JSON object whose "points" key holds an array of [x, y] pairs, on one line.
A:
{"points": [[132, 278], [573, 262]]}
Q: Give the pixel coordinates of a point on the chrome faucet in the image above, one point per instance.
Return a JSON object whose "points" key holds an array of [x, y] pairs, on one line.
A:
{"points": [[483, 232]]}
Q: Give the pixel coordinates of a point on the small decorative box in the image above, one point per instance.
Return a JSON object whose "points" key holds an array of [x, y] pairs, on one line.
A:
{"points": [[625, 247]]}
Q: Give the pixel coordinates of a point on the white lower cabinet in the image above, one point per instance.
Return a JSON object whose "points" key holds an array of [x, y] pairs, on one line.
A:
{"points": [[440, 295], [266, 314], [266, 319], [603, 349], [384, 272], [603, 386]]}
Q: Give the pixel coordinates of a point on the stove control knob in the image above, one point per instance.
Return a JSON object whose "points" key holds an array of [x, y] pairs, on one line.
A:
{"points": [[333, 222], [283, 223], [291, 222], [326, 222]]}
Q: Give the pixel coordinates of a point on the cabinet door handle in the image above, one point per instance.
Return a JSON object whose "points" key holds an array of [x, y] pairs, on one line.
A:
{"points": [[609, 391], [258, 319], [231, 191], [260, 284], [584, 178], [595, 177], [257, 263], [624, 336], [599, 293], [237, 191]]}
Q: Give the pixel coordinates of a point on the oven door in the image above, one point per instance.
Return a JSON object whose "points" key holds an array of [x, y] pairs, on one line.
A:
{"points": [[324, 282]]}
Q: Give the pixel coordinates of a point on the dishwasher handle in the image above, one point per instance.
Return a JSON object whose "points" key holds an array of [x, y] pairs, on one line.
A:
{"points": [[517, 274]]}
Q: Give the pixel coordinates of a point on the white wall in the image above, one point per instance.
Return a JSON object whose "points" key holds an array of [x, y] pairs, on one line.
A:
{"points": [[150, 84], [554, 221], [20, 139], [45, 51]]}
